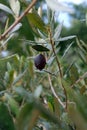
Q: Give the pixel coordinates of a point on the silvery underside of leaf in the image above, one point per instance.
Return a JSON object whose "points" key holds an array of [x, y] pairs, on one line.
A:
{"points": [[56, 5]]}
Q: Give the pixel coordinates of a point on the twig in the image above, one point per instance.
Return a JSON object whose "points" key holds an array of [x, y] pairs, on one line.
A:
{"points": [[50, 73], [78, 80], [18, 20], [58, 63], [54, 93], [57, 60]]}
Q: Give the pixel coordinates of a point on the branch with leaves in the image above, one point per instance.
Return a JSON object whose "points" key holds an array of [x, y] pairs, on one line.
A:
{"points": [[58, 64], [18, 19]]}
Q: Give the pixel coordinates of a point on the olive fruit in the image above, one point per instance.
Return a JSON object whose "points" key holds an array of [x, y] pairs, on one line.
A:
{"points": [[40, 61]]}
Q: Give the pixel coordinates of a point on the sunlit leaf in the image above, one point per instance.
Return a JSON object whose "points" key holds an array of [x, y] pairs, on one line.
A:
{"points": [[58, 31], [50, 61], [9, 67], [15, 6], [5, 8], [66, 38], [16, 28], [55, 5], [36, 22], [66, 51], [38, 91], [19, 77], [6, 41], [50, 106]]}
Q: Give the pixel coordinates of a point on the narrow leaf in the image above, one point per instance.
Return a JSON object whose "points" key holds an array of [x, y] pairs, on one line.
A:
{"points": [[40, 48], [13, 104], [20, 76], [15, 6], [36, 21], [17, 27], [6, 9], [6, 121], [66, 51], [58, 31], [55, 5], [67, 38]]}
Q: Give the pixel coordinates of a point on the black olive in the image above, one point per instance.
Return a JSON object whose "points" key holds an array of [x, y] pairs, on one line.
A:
{"points": [[40, 61]]}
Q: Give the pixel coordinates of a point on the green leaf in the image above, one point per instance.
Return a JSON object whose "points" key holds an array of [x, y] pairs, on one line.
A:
{"points": [[51, 60], [36, 21], [6, 122], [15, 6], [58, 31], [23, 93], [82, 56], [79, 102], [13, 104], [9, 67], [57, 107], [5, 8], [13, 57], [50, 106], [40, 48], [9, 78], [27, 117], [19, 77], [77, 118], [81, 47], [16, 28], [83, 89], [74, 75], [67, 49], [30, 69], [67, 38], [38, 91], [58, 6]]}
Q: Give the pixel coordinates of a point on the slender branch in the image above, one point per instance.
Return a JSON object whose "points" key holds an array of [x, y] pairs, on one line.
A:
{"points": [[57, 60], [54, 93], [18, 20], [58, 63], [78, 80]]}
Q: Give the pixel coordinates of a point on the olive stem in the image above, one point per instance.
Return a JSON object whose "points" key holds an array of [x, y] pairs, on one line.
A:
{"points": [[18, 19], [49, 72]]}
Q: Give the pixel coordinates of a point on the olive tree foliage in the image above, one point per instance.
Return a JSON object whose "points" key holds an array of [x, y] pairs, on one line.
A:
{"points": [[53, 95], [78, 22]]}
